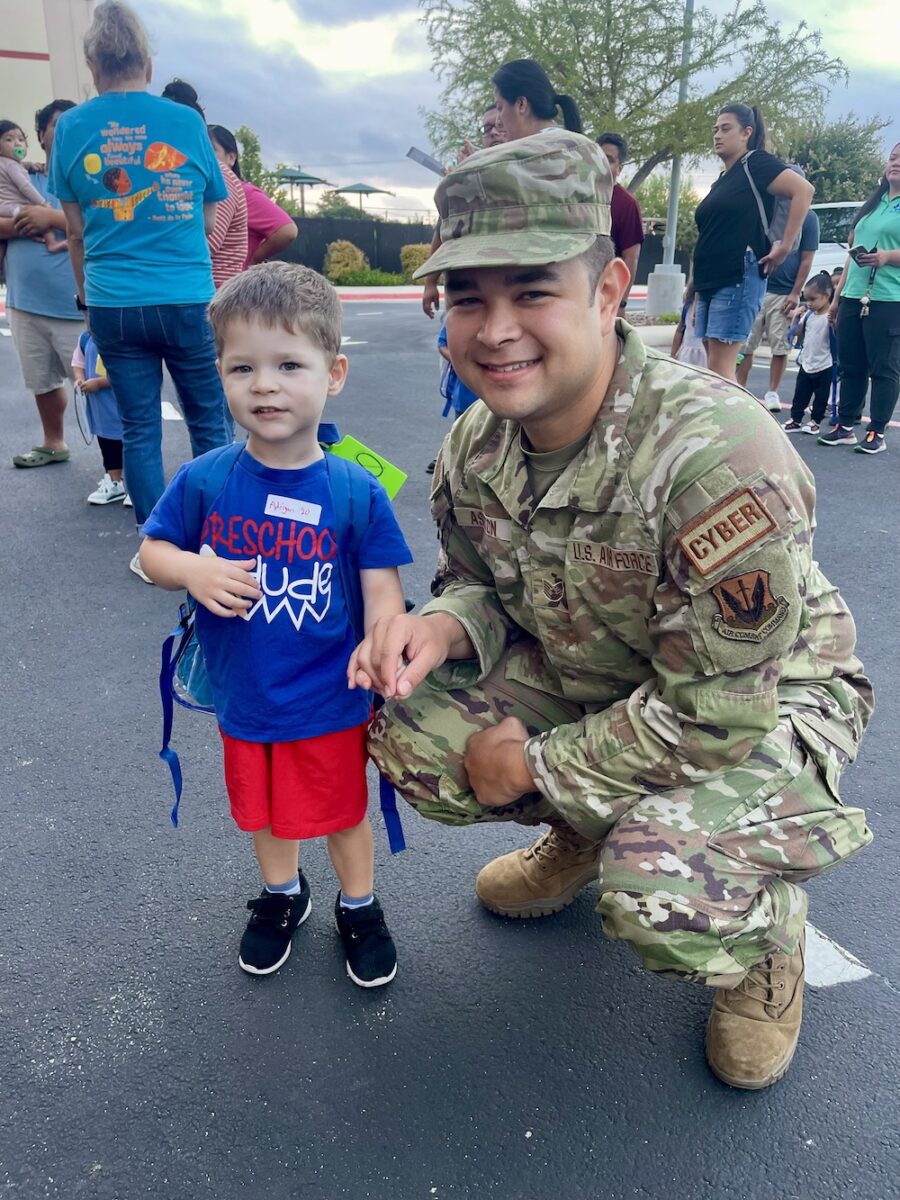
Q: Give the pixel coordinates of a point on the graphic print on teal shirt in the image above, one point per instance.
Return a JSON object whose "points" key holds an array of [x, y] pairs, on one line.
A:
{"points": [[141, 169]]}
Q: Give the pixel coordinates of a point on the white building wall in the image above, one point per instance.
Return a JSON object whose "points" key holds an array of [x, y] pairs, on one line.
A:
{"points": [[41, 58]]}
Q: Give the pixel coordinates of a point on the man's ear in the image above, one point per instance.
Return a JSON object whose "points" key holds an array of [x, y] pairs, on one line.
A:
{"points": [[337, 376], [611, 288]]}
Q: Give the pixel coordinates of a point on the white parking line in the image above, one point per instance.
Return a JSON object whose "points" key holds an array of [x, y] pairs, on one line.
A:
{"points": [[827, 963], [170, 412], [348, 341], [366, 314], [6, 332]]}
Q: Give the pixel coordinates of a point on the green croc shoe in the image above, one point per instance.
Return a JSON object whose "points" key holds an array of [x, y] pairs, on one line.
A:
{"points": [[40, 456]]}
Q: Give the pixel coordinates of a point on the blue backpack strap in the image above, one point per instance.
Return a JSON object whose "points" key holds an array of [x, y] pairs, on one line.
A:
{"points": [[204, 480], [350, 494]]}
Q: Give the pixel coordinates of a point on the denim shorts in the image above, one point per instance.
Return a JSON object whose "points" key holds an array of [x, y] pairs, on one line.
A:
{"points": [[727, 314]]}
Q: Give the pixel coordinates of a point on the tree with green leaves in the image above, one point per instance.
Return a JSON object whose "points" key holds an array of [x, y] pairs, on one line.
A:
{"points": [[653, 197], [842, 159], [622, 65], [252, 167], [332, 204]]}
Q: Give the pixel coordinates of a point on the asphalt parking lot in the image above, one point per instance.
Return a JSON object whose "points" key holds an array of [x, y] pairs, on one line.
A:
{"points": [[516, 1060]]}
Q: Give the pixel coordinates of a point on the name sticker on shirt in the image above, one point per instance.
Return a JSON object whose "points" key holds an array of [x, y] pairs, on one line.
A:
{"points": [[725, 531], [294, 510]]}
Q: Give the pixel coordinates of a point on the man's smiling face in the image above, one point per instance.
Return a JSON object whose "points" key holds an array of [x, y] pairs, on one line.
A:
{"points": [[533, 342]]}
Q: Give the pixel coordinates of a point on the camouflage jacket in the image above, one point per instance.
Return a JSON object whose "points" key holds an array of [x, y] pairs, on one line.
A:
{"points": [[668, 576]]}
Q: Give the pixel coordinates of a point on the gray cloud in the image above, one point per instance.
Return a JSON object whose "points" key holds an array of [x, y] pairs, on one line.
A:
{"points": [[344, 134], [341, 12]]}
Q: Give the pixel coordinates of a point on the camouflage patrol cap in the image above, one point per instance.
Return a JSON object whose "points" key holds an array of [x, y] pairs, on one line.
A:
{"points": [[540, 199]]}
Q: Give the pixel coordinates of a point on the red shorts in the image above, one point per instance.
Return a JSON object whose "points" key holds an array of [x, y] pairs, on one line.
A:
{"points": [[303, 789]]}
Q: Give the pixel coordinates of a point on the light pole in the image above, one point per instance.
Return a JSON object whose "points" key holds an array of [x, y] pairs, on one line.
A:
{"points": [[666, 283]]}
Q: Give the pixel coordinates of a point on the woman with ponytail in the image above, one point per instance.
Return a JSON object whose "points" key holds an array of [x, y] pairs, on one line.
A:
{"points": [[733, 254], [527, 102]]}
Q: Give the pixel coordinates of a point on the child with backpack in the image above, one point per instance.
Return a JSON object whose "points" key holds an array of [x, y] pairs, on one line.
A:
{"points": [[101, 412], [263, 562], [816, 375]]}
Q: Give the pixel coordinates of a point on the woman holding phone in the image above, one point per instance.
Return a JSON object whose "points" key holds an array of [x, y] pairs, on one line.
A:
{"points": [[866, 307]]}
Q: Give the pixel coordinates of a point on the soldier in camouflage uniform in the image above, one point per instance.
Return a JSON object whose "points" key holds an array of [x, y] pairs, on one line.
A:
{"points": [[630, 639]]}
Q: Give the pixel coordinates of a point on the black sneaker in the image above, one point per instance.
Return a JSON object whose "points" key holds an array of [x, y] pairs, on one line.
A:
{"points": [[371, 956], [872, 443], [266, 943], [839, 436]]}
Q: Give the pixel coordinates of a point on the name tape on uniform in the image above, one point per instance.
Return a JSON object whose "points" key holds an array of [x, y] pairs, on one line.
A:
{"points": [[725, 531]]}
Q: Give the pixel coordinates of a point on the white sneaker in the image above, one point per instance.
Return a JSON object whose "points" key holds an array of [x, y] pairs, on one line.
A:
{"points": [[128, 502], [135, 566], [108, 491], [772, 401], [812, 427]]}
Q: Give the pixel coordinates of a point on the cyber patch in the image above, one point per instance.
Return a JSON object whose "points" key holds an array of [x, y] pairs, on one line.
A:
{"points": [[725, 531], [748, 609]]}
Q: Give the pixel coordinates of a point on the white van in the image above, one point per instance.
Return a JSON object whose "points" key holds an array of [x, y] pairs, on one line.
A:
{"points": [[834, 230]]}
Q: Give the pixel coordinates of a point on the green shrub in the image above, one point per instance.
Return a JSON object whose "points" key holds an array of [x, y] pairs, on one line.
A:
{"points": [[670, 318], [342, 257], [367, 277], [412, 257]]}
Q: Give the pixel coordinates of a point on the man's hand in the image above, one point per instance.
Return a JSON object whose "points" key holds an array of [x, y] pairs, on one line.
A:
{"points": [[34, 220], [398, 652], [790, 303], [225, 586], [495, 763], [431, 297], [772, 261]]}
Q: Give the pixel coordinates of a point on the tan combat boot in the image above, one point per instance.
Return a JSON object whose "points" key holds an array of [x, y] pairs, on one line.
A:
{"points": [[542, 879], [753, 1028]]}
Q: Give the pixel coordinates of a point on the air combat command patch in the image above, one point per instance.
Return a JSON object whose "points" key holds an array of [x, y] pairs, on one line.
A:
{"points": [[748, 610]]}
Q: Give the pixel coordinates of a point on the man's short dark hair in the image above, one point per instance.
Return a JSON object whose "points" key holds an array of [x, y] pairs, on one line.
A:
{"points": [[44, 116], [596, 259], [615, 139]]}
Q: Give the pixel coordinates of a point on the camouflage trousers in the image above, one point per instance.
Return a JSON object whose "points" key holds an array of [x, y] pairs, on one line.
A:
{"points": [[700, 881]]}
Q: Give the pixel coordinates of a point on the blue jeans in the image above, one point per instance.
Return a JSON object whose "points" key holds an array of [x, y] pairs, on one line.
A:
{"points": [[134, 343], [727, 314]]}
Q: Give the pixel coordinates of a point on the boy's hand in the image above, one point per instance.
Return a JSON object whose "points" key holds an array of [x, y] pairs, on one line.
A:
{"points": [[88, 386], [225, 586], [398, 652]]}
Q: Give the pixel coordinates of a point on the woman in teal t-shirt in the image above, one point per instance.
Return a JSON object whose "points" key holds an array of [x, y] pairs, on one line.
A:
{"points": [[867, 308], [139, 182]]}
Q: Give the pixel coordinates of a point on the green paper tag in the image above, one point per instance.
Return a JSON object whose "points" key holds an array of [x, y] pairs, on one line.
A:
{"points": [[390, 477]]}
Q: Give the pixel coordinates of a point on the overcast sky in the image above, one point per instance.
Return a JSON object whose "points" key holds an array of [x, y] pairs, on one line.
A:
{"points": [[337, 84]]}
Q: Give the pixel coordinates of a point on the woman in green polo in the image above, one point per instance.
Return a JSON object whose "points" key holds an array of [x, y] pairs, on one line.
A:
{"points": [[867, 308]]}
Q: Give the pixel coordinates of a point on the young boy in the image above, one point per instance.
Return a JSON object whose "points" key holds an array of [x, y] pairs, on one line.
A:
{"points": [[271, 617]]}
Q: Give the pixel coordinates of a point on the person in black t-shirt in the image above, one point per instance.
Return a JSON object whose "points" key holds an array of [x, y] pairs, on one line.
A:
{"points": [[733, 254]]}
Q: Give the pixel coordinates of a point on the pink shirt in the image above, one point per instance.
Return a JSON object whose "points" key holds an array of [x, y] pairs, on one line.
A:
{"points": [[263, 218]]}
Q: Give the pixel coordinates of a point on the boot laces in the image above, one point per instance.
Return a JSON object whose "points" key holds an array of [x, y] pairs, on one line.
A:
{"points": [[765, 982], [556, 841]]}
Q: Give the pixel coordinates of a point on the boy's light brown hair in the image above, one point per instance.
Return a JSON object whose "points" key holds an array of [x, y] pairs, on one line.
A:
{"points": [[280, 294]]}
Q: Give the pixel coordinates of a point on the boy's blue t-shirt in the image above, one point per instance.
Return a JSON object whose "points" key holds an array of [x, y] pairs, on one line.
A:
{"points": [[280, 674], [454, 391], [141, 169]]}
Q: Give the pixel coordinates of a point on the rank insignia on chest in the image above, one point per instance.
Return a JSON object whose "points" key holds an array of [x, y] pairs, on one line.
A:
{"points": [[748, 609], [554, 592]]}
